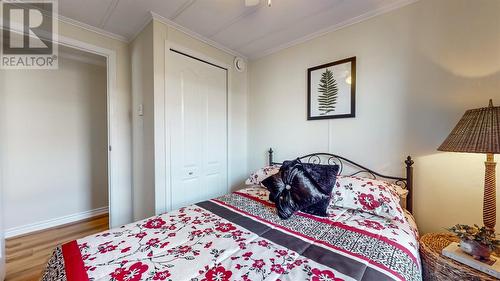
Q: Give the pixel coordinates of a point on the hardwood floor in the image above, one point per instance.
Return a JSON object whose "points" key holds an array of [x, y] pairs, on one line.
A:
{"points": [[27, 255]]}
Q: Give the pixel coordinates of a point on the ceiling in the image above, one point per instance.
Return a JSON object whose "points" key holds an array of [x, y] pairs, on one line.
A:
{"points": [[251, 32]]}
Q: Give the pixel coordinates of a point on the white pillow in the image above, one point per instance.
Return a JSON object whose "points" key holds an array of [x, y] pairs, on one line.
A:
{"points": [[369, 195], [261, 174]]}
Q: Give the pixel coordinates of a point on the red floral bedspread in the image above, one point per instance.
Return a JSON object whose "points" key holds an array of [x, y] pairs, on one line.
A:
{"points": [[240, 237]]}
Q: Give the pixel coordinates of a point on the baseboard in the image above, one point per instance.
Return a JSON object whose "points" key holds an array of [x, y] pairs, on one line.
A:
{"points": [[28, 228]]}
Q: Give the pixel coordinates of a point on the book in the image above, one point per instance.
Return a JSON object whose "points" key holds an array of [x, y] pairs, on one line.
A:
{"points": [[454, 252]]}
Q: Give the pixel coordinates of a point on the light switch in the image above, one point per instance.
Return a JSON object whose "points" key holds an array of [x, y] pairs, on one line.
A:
{"points": [[140, 110]]}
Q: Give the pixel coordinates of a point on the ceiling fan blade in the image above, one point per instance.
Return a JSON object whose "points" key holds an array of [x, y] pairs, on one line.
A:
{"points": [[250, 3]]}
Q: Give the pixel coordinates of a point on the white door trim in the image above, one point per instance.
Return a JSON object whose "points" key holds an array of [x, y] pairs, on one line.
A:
{"points": [[163, 185], [112, 121]]}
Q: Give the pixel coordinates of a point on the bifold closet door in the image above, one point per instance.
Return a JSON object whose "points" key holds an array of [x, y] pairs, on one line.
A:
{"points": [[197, 129]]}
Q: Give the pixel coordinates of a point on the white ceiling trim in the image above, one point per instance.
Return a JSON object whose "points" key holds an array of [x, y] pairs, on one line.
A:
{"points": [[92, 28], [193, 34], [321, 32]]}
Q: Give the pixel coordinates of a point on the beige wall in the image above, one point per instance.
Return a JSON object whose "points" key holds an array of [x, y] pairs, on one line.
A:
{"points": [[122, 150], [121, 113], [418, 69], [55, 142], [141, 56], [152, 96]]}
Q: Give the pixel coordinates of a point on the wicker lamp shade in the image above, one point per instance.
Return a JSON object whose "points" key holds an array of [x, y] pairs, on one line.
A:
{"points": [[478, 132]]}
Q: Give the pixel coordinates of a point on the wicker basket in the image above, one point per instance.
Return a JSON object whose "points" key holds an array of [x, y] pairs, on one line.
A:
{"points": [[437, 267]]}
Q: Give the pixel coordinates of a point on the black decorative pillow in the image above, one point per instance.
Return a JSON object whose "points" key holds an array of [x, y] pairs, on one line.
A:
{"points": [[326, 177], [293, 189]]}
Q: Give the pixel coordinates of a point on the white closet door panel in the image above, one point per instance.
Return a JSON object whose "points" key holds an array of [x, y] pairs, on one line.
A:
{"points": [[216, 135], [197, 118]]}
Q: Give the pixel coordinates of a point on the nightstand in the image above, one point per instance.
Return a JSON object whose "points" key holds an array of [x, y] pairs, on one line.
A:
{"points": [[436, 267]]}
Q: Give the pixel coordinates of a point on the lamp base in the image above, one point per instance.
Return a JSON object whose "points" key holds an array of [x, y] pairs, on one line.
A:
{"points": [[489, 199]]}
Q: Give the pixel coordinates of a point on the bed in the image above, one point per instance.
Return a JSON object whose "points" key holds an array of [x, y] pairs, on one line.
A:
{"points": [[239, 236]]}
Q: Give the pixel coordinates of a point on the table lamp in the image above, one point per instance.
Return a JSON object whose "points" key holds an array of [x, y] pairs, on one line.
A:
{"points": [[479, 132]]}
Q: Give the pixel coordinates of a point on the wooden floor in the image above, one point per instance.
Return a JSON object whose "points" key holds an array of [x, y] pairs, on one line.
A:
{"points": [[27, 255]]}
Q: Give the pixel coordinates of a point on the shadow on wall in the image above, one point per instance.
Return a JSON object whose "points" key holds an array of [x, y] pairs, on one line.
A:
{"points": [[98, 140], [447, 75], [87, 140]]}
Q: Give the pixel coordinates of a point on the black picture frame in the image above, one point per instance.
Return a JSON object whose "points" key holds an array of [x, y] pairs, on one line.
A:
{"points": [[352, 113]]}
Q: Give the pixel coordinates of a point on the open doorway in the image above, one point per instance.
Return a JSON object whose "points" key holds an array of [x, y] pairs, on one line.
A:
{"points": [[56, 155]]}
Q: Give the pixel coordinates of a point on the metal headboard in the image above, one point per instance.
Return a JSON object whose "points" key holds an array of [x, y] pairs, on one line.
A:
{"points": [[332, 159]]}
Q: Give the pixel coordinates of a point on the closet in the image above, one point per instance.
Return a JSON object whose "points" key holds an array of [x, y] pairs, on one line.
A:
{"points": [[196, 114]]}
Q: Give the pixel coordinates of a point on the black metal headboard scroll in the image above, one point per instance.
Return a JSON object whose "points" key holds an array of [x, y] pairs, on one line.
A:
{"points": [[332, 159]]}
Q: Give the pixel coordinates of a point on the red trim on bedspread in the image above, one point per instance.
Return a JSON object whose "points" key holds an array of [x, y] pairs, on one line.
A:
{"points": [[73, 263], [337, 224]]}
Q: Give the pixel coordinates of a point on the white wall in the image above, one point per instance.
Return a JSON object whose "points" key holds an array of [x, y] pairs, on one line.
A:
{"points": [[418, 69], [151, 192], [55, 142]]}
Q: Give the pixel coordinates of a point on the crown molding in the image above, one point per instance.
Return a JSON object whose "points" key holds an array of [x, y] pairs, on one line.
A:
{"points": [[93, 29], [366, 16], [195, 35]]}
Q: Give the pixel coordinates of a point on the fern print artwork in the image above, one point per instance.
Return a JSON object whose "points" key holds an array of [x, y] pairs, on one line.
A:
{"points": [[331, 90]]}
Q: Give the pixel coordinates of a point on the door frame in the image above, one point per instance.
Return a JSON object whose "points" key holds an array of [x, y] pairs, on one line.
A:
{"points": [[163, 188], [112, 120]]}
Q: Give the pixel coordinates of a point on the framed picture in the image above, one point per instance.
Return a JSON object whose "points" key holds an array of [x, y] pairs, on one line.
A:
{"points": [[331, 90]]}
